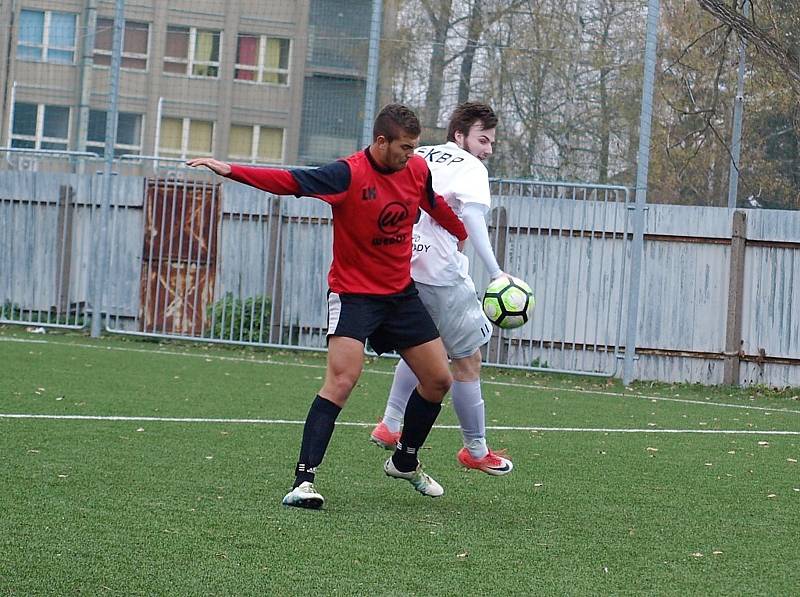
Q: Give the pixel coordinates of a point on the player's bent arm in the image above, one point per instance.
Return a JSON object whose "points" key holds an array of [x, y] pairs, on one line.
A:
{"points": [[474, 216], [437, 208], [446, 217]]}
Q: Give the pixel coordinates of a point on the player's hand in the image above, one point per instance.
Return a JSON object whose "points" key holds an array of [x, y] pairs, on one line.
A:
{"points": [[502, 274], [221, 168], [460, 245]]}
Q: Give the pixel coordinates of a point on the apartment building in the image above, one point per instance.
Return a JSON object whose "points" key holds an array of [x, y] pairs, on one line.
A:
{"points": [[264, 81]]}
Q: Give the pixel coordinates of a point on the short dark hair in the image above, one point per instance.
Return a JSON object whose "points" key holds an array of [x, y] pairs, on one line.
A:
{"points": [[467, 114], [395, 119]]}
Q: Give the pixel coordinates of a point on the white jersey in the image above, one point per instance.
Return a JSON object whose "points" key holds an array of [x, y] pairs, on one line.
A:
{"points": [[460, 178]]}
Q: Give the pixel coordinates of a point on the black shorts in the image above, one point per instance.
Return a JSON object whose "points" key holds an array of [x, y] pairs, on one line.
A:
{"points": [[391, 322]]}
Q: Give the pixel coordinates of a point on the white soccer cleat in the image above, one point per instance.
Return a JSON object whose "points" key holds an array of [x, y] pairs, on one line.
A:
{"points": [[422, 482], [304, 496]]}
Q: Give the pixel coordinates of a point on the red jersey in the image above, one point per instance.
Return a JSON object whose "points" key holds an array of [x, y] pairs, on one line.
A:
{"points": [[374, 211]]}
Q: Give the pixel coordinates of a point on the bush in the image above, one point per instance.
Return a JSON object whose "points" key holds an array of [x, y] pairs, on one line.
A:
{"points": [[239, 319], [13, 312]]}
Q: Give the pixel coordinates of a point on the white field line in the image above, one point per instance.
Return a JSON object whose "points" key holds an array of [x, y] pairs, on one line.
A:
{"points": [[357, 424], [484, 381]]}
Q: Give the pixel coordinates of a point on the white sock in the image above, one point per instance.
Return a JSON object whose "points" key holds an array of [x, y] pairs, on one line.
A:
{"points": [[469, 407], [403, 384]]}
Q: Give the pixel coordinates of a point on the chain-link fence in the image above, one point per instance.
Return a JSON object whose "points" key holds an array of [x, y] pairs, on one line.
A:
{"points": [[297, 84]]}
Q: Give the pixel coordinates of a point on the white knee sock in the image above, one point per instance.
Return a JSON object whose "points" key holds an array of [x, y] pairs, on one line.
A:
{"points": [[403, 384], [469, 407]]}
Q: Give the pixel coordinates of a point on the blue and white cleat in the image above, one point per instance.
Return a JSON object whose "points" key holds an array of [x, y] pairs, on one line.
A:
{"points": [[422, 482], [304, 496]]}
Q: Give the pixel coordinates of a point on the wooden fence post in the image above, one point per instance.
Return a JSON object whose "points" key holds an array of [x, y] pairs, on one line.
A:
{"points": [[274, 271], [66, 200], [733, 327]]}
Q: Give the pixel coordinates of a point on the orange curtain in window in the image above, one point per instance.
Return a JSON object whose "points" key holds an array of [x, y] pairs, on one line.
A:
{"points": [[247, 55]]}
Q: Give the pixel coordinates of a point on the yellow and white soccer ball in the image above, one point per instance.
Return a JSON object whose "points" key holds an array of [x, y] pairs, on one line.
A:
{"points": [[508, 302]]}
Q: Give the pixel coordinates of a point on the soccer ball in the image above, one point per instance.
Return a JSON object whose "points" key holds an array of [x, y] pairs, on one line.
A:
{"points": [[508, 302]]}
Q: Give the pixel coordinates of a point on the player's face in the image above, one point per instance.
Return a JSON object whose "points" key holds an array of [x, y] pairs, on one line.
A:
{"points": [[395, 154], [478, 141]]}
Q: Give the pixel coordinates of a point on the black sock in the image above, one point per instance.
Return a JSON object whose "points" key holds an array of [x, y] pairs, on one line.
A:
{"points": [[417, 422], [317, 433]]}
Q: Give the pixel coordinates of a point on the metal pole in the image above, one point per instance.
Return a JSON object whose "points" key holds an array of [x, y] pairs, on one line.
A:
{"points": [[11, 113], [642, 167], [87, 61], [158, 125], [370, 97], [738, 108], [101, 255]]}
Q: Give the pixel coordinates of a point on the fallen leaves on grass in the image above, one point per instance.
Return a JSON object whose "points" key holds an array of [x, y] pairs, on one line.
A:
{"points": [[433, 522]]}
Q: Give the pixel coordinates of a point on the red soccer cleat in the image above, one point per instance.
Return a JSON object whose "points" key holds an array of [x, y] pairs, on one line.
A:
{"points": [[383, 437], [494, 463]]}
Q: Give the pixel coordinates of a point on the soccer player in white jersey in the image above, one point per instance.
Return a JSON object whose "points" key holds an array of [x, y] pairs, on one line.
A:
{"points": [[440, 271]]}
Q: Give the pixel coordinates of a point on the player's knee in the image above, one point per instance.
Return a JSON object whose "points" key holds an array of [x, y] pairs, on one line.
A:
{"points": [[467, 368], [345, 383], [437, 386], [339, 386]]}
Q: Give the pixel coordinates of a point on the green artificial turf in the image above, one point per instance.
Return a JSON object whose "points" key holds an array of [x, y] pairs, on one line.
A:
{"points": [[140, 505]]}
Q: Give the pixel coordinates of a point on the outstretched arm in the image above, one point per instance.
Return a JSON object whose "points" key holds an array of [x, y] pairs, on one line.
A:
{"points": [[328, 183], [272, 180], [221, 168]]}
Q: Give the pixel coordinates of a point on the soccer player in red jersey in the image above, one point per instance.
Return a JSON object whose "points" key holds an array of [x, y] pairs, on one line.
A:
{"points": [[375, 195]]}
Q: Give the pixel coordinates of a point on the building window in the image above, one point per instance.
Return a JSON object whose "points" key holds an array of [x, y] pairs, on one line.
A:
{"points": [[47, 36], [256, 143], [185, 138], [135, 40], [262, 59], [37, 126], [129, 133], [192, 51]]}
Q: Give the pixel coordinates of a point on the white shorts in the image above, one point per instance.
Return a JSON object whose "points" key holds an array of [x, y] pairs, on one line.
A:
{"points": [[456, 311]]}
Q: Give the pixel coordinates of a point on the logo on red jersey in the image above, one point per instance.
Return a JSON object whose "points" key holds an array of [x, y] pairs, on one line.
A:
{"points": [[392, 216], [369, 193]]}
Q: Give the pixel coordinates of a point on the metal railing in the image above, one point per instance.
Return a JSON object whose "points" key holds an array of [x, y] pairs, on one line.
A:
{"points": [[191, 257]]}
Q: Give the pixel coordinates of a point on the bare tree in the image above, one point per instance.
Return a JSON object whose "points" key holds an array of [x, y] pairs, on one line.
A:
{"points": [[439, 13], [787, 58]]}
